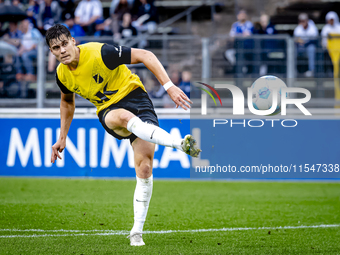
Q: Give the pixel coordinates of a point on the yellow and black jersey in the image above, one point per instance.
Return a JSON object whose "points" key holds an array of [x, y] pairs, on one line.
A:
{"points": [[101, 75]]}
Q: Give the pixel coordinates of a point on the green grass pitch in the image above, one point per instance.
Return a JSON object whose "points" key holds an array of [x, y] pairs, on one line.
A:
{"points": [[94, 207]]}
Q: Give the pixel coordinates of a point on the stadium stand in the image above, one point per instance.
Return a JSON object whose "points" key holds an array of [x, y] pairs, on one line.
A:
{"points": [[178, 41]]}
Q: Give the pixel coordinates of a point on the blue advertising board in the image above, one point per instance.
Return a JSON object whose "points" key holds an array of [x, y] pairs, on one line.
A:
{"points": [[90, 151], [267, 148], [309, 150]]}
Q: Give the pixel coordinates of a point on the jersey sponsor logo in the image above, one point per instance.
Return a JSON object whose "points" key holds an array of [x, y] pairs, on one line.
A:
{"points": [[98, 78], [76, 89], [103, 96]]}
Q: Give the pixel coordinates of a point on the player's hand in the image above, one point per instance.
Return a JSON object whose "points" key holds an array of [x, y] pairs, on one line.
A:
{"points": [[59, 146], [178, 96]]}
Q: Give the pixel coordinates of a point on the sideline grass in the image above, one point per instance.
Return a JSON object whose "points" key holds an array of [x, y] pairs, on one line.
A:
{"points": [[71, 204]]}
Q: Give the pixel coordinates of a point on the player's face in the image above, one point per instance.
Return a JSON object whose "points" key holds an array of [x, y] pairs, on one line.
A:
{"points": [[64, 49]]}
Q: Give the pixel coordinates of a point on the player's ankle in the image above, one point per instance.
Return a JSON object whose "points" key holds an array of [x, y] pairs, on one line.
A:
{"points": [[137, 227]]}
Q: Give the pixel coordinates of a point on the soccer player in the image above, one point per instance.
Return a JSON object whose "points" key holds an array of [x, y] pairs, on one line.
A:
{"points": [[97, 72]]}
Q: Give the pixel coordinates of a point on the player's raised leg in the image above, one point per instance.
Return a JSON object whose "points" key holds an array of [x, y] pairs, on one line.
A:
{"points": [[143, 156], [123, 122]]}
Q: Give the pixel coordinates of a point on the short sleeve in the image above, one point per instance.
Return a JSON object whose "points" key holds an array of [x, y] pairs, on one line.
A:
{"points": [[114, 55], [62, 86]]}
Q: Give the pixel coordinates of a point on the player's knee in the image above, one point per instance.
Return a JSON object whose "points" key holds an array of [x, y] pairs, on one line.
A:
{"points": [[145, 169], [118, 118], [124, 118]]}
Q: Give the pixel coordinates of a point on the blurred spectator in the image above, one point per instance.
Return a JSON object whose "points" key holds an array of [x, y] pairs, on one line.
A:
{"points": [[67, 6], [28, 51], [13, 35], [75, 29], [115, 3], [134, 9], [264, 27], [103, 27], [126, 30], [242, 27], [87, 12], [147, 17], [10, 43], [9, 87], [18, 4], [122, 8], [33, 11], [332, 26], [175, 76], [117, 16], [2, 30], [186, 82], [49, 14], [240, 50], [305, 34]]}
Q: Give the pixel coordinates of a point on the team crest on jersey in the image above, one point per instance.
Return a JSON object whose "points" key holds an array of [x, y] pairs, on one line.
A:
{"points": [[98, 78]]}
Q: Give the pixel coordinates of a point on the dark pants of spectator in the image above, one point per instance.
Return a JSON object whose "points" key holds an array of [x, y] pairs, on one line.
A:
{"points": [[10, 87], [274, 63], [308, 50], [26, 60], [244, 56], [90, 29]]}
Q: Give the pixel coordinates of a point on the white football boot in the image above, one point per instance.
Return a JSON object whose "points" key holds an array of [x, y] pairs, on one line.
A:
{"points": [[189, 146], [136, 239]]}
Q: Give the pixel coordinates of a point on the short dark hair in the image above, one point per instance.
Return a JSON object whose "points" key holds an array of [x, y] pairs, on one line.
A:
{"points": [[56, 32]]}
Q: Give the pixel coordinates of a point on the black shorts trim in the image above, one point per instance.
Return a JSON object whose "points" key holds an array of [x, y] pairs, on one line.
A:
{"points": [[137, 102]]}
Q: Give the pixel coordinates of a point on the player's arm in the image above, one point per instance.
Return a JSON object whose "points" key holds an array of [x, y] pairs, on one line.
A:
{"points": [[154, 65], [67, 107]]}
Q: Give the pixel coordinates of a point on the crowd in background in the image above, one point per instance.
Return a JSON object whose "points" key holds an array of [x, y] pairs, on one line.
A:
{"points": [[305, 35], [19, 39], [128, 18], [87, 17]]}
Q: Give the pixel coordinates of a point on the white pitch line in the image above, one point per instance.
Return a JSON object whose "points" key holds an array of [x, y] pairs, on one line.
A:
{"points": [[57, 230], [124, 232], [82, 234]]}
